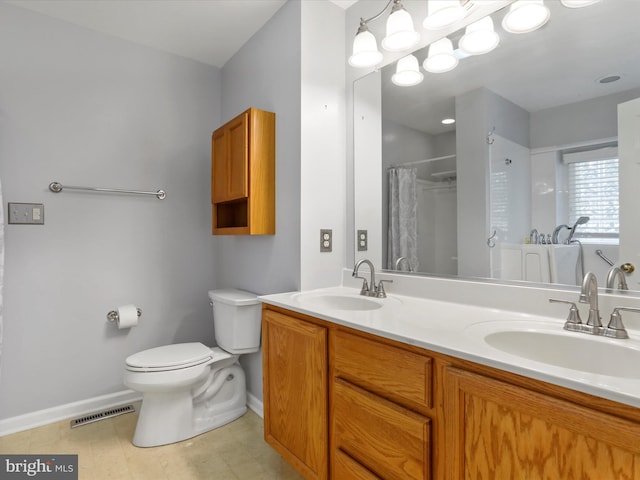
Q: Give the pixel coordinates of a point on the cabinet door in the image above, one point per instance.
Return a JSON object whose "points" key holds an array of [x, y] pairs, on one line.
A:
{"points": [[501, 431], [230, 149], [294, 356]]}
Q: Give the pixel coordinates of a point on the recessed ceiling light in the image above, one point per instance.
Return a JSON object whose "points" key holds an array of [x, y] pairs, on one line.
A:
{"points": [[448, 121], [609, 79]]}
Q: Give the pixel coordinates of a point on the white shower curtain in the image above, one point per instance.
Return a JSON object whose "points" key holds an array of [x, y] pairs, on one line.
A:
{"points": [[1, 267], [403, 221]]}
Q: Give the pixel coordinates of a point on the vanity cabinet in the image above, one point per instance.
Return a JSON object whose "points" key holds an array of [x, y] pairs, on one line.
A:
{"points": [[243, 175], [295, 369], [389, 410], [503, 431]]}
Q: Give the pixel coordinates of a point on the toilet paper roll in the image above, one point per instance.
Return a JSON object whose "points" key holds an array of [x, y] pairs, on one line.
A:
{"points": [[127, 316]]}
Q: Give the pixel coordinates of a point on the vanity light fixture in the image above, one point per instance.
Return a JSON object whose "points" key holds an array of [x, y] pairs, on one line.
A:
{"points": [[442, 13], [525, 16], [448, 121], [440, 58], [408, 72], [479, 37], [365, 48], [401, 35], [578, 3]]}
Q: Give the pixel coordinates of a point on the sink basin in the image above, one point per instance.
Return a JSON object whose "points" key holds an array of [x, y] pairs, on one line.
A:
{"points": [[340, 302], [575, 351]]}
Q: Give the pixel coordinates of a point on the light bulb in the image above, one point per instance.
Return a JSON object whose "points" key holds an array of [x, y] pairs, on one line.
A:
{"points": [[441, 13], [401, 34], [578, 3], [441, 58], [408, 72], [525, 16], [479, 37], [365, 50]]}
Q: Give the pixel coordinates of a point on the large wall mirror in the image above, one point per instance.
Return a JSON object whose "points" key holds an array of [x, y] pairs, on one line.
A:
{"points": [[537, 179]]}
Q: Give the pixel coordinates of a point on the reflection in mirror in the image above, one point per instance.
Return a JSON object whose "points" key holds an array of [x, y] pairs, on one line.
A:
{"points": [[524, 184]]}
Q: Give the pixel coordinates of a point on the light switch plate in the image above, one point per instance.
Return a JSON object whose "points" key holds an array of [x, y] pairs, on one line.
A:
{"points": [[326, 240], [26, 213]]}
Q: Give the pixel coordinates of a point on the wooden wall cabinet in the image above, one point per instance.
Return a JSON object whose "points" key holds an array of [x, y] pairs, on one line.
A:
{"points": [[243, 175], [393, 411]]}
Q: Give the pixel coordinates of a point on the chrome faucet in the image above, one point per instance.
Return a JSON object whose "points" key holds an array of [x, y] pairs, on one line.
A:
{"points": [[589, 294], [616, 274], [370, 290], [555, 238], [399, 261]]}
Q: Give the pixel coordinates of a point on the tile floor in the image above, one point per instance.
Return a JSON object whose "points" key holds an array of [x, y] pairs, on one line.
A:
{"points": [[235, 451]]}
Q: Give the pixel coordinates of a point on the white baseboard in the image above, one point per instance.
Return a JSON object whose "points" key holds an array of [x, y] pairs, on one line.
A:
{"points": [[67, 411], [84, 407], [255, 404]]}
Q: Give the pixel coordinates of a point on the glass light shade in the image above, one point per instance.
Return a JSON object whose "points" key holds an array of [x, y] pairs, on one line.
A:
{"points": [[441, 13], [441, 58], [479, 37], [525, 16], [401, 34], [578, 3], [365, 51], [407, 72]]}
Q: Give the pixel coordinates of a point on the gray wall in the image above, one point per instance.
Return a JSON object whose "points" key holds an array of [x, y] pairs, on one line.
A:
{"points": [[578, 122], [265, 74], [83, 108]]}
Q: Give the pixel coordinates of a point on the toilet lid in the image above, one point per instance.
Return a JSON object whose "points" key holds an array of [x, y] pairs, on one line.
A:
{"points": [[171, 357]]}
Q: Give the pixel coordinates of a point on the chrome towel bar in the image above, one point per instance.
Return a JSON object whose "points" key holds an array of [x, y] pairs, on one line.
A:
{"points": [[58, 187], [604, 257]]}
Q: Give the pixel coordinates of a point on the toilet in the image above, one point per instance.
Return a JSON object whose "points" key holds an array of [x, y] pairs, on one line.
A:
{"points": [[189, 388]]}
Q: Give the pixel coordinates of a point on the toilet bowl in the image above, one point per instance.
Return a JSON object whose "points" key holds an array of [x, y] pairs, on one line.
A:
{"points": [[189, 388]]}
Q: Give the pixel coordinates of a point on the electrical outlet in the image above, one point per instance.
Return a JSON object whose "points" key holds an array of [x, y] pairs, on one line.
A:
{"points": [[26, 213], [362, 241], [326, 240]]}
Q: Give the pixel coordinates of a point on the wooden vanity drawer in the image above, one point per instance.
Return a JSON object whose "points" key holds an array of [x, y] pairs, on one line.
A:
{"points": [[387, 439], [345, 467], [389, 371]]}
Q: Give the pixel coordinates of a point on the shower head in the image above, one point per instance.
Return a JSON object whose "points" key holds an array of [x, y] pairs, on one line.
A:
{"points": [[579, 221]]}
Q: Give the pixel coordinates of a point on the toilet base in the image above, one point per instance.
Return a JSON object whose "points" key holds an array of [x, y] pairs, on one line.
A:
{"points": [[169, 417]]}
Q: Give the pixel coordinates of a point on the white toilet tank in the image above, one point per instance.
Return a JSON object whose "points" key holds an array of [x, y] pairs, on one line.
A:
{"points": [[236, 320]]}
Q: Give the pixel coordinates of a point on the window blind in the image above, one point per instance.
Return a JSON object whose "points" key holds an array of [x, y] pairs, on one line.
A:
{"points": [[593, 192]]}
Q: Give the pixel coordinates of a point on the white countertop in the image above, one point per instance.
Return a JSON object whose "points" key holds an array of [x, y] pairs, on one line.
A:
{"points": [[458, 330]]}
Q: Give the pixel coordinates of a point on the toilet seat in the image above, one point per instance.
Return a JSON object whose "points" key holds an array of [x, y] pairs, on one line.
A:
{"points": [[170, 357]]}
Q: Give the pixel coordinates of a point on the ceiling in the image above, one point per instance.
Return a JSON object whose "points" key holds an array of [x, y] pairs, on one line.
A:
{"points": [[209, 31]]}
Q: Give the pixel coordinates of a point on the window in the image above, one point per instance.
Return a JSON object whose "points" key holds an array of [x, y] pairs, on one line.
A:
{"points": [[592, 181]]}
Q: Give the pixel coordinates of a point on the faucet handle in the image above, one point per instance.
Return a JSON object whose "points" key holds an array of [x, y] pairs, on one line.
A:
{"points": [[616, 329], [380, 293], [365, 286], [573, 319]]}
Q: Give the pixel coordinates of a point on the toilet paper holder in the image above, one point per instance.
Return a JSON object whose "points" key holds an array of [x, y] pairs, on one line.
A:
{"points": [[112, 316]]}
